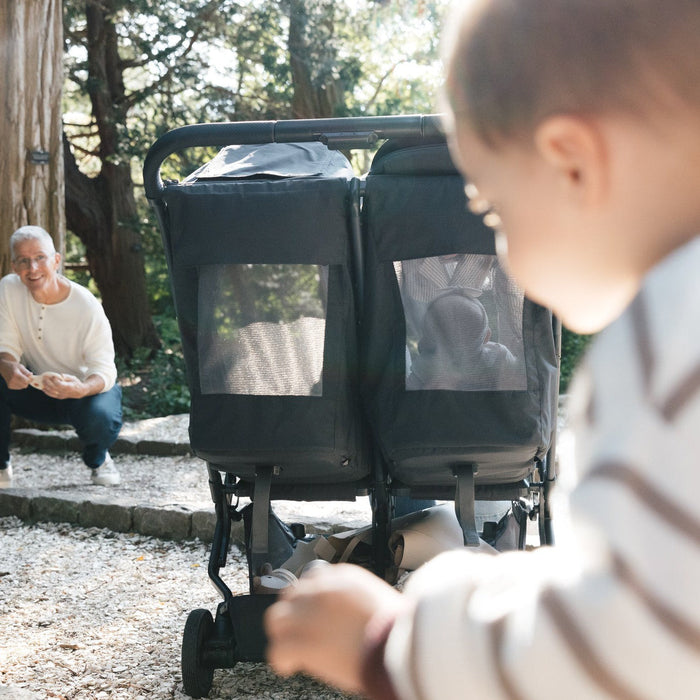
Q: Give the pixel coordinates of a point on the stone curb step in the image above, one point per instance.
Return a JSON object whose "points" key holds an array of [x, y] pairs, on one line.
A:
{"points": [[176, 523], [64, 440], [170, 523]]}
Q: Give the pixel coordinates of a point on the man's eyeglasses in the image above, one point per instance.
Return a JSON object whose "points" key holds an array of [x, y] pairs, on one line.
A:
{"points": [[26, 263]]}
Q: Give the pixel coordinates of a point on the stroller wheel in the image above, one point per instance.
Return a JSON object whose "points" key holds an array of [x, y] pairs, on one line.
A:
{"points": [[197, 676]]}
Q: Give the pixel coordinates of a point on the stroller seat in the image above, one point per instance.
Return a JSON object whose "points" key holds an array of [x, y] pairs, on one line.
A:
{"points": [[268, 320], [460, 373]]}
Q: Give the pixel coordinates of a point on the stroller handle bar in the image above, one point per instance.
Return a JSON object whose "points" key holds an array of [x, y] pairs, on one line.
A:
{"points": [[342, 132]]}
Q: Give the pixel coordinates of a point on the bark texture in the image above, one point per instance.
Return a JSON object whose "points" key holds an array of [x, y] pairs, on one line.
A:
{"points": [[102, 210], [31, 79], [318, 93]]}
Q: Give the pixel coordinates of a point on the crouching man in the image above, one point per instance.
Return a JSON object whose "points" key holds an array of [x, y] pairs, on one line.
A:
{"points": [[56, 356]]}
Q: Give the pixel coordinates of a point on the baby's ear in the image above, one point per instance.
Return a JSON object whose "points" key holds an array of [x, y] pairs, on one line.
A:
{"points": [[575, 149]]}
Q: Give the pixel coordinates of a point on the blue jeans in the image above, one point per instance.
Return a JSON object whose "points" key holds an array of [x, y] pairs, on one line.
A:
{"points": [[97, 419]]}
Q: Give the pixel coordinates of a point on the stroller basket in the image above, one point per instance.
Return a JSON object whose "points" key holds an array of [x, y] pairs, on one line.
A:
{"points": [[344, 336]]}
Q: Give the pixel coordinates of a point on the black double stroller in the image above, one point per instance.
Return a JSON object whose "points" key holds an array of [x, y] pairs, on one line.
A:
{"points": [[345, 336]]}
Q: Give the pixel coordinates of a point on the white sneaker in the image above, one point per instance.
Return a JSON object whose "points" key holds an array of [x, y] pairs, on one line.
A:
{"points": [[106, 474], [6, 476]]}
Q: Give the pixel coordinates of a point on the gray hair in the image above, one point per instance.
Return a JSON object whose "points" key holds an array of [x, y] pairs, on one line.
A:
{"points": [[30, 233]]}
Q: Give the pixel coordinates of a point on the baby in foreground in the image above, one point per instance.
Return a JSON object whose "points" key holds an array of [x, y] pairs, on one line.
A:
{"points": [[577, 122]]}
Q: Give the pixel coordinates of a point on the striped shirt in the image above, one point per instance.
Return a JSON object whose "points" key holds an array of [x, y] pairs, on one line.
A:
{"points": [[613, 610]]}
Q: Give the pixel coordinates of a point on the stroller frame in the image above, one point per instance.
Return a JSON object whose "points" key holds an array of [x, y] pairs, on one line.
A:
{"points": [[235, 633]]}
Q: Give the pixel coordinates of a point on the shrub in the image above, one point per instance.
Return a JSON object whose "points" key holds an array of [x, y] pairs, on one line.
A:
{"points": [[573, 347], [154, 383]]}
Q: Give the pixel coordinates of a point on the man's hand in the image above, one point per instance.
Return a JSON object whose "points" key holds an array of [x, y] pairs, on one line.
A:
{"points": [[63, 386], [318, 627], [15, 374]]}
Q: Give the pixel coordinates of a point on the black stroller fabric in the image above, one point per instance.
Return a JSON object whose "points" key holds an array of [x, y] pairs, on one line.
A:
{"points": [[260, 256], [345, 338], [460, 369]]}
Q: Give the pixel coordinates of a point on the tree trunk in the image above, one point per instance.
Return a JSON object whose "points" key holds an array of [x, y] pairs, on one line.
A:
{"points": [[317, 93], [31, 78], [101, 210]]}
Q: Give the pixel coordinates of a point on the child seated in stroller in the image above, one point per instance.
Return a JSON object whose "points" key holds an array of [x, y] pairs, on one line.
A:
{"points": [[455, 350]]}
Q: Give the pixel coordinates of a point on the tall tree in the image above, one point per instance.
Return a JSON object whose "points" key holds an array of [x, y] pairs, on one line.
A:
{"points": [[127, 63], [318, 88], [31, 168], [101, 210], [136, 69]]}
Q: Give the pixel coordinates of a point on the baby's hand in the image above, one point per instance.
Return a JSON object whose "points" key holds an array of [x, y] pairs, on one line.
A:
{"points": [[318, 627]]}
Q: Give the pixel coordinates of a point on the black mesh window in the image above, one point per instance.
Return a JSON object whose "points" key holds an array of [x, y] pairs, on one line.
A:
{"points": [[261, 329], [463, 324]]}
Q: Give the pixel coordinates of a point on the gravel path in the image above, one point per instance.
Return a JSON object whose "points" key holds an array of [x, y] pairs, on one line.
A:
{"points": [[92, 614]]}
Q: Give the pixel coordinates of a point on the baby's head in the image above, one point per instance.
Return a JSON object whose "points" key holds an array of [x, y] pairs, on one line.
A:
{"points": [[456, 325], [516, 62], [578, 120]]}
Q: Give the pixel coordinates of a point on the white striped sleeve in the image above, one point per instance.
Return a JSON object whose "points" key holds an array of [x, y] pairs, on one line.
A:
{"points": [[613, 611]]}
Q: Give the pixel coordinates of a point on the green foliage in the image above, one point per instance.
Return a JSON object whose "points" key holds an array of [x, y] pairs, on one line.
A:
{"points": [[75, 265], [266, 292], [188, 61], [573, 347], [157, 278], [155, 384]]}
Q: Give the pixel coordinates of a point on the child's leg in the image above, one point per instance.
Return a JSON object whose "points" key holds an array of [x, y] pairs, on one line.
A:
{"points": [[97, 420]]}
